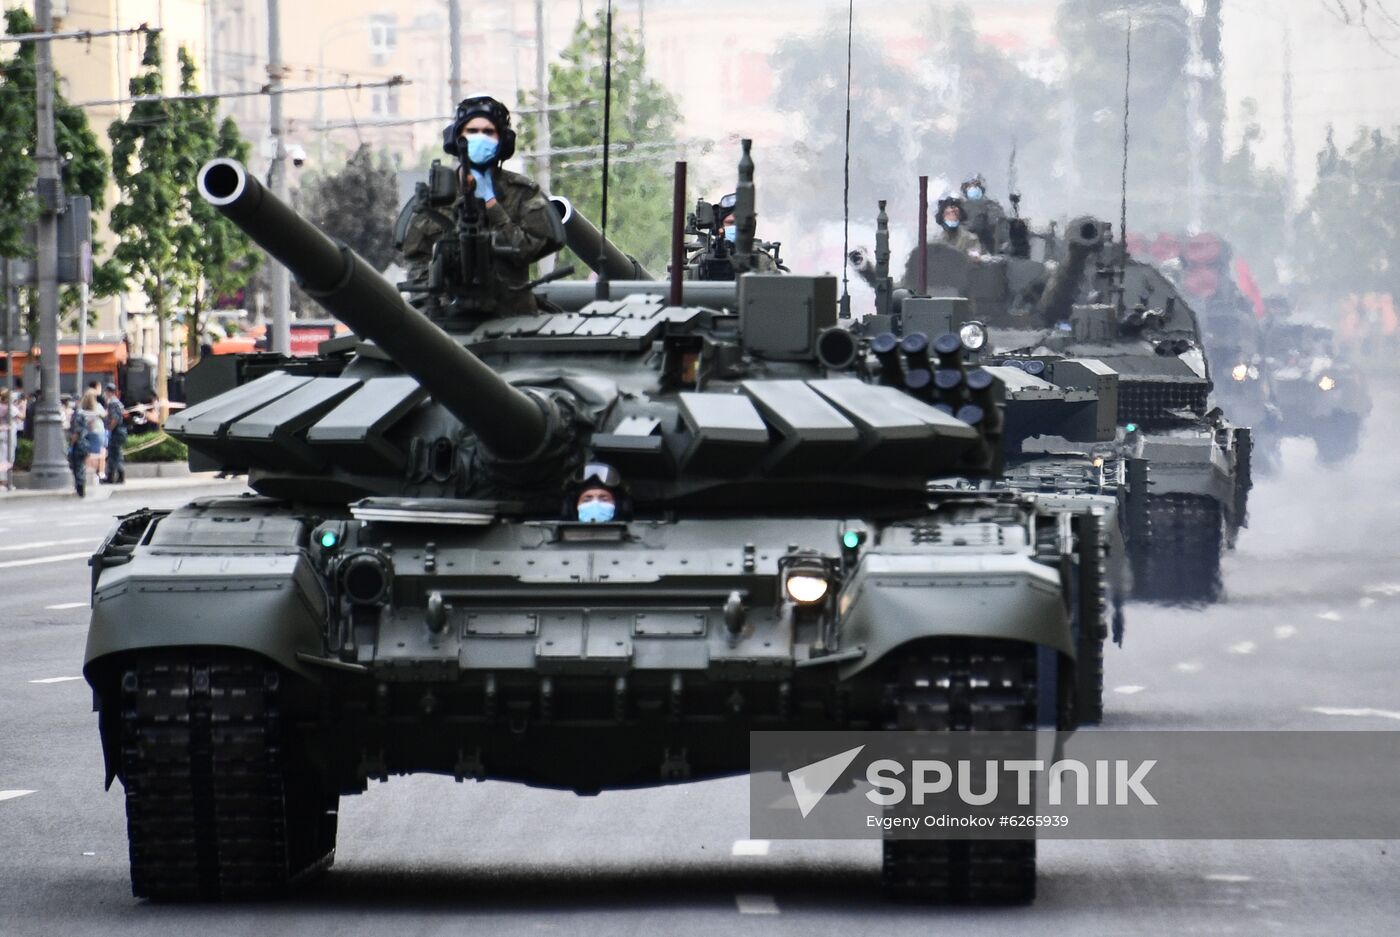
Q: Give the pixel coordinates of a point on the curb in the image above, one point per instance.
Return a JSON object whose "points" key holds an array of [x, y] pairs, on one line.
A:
{"points": [[100, 492]]}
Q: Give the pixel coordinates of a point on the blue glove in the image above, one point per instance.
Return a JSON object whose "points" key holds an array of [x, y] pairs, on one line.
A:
{"points": [[484, 189]]}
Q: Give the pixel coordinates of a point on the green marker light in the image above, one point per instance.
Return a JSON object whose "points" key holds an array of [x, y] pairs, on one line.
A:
{"points": [[850, 539], [328, 539], [1131, 427]]}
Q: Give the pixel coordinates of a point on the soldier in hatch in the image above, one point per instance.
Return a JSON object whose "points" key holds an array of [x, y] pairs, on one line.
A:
{"points": [[983, 216], [524, 227], [706, 262], [951, 216]]}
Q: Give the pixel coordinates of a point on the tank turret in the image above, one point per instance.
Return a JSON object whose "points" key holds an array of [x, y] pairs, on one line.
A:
{"points": [[509, 422]]}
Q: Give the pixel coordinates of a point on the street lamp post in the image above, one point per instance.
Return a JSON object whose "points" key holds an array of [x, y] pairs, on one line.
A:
{"points": [[50, 469]]}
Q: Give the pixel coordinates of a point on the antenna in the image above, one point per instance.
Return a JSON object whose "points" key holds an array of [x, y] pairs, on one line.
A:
{"points": [[603, 292], [846, 182], [1011, 192], [1123, 195]]}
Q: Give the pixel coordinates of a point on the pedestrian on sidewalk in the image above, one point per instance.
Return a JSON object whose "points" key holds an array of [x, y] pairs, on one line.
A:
{"points": [[10, 423], [76, 435], [116, 436], [92, 416]]}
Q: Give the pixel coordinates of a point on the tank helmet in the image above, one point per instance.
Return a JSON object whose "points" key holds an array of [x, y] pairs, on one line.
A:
{"points": [[950, 200], [598, 475], [481, 105]]}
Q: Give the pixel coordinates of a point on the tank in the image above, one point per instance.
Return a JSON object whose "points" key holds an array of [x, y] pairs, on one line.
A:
{"points": [[1319, 394], [1059, 442], [1195, 463], [410, 591]]}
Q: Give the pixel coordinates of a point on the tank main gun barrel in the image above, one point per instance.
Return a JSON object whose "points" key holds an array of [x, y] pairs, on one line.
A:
{"points": [[584, 239], [1084, 237], [507, 421]]}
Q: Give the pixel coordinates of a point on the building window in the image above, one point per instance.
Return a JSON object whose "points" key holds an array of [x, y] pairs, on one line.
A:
{"points": [[384, 102], [383, 34]]}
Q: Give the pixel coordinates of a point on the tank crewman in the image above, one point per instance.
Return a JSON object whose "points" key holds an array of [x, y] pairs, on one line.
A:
{"points": [[523, 225], [983, 216], [599, 493], [705, 260], [951, 216]]}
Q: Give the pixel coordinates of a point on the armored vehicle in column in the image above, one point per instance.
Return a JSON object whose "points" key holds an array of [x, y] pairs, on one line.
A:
{"points": [[1318, 393], [431, 579], [1097, 304]]}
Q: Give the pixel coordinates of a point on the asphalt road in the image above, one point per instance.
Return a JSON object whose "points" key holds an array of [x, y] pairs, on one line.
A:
{"points": [[1308, 638]]}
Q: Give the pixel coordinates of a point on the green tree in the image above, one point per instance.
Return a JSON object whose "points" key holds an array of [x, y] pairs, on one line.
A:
{"points": [[643, 114], [84, 164], [1092, 33], [357, 204], [218, 255], [154, 161], [1350, 231], [961, 113], [1252, 207]]}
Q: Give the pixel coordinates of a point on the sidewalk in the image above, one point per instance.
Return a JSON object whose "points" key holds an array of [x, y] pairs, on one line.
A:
{"points": [[99, 492]]}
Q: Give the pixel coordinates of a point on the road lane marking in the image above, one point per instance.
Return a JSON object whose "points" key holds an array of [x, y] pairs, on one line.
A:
{"points": [[39, 560], [1230, 879], [1284, 632], [1355, 711], [40, 544], [55, 679], [750, 847], [11, 795], [64, 606], [1129, 690], [1244, 647], [1189, 666], [1384, 588], [756, 904], [1329, 616]]}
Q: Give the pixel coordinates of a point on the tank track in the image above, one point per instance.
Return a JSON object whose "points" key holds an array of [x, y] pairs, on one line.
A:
{"points": [[215, 807], [961, 685], [1092, 601], [1180, 561]]}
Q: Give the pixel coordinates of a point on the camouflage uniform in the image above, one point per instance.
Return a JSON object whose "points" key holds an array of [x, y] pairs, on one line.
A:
{"points": [[963, 239], [522, 218], [763, 263]]}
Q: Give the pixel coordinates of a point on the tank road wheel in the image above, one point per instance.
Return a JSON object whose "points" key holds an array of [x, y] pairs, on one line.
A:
{"points": [[961, 685], [217, 806], [1180, 561], [1337, 438]]}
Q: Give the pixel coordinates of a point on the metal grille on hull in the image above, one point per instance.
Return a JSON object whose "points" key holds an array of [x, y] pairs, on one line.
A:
{"points": [[1146, 401]]}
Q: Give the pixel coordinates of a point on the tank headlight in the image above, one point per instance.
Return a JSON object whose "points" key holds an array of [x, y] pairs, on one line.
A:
{"points": [[1253, 373], [807, 587], [1240, 372], [1326, 383], [973, 335]]}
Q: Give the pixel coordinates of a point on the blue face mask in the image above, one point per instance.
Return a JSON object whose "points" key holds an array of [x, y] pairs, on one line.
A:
{"points": [[480, 149], [596, 512], [731, 233], [974, 193], [952, 225]]}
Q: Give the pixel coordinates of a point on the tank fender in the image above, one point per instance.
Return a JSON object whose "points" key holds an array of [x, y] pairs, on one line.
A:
{"points": [[272, 604], [892, 599]]}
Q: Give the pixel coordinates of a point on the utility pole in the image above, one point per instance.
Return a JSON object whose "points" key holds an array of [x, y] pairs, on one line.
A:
{"points": [[50, 469], [1290, 147], [454, 45], [280, 337], [542, 177]]}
